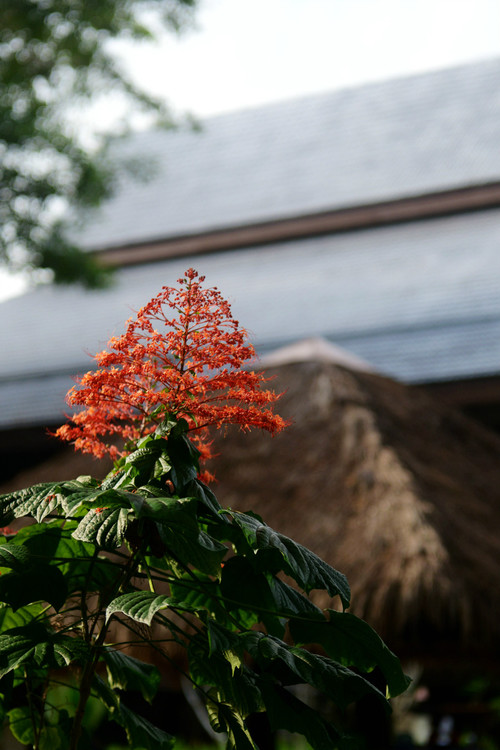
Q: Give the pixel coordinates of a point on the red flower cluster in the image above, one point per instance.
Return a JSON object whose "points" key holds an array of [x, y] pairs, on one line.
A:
{"points": [[182, 355]]}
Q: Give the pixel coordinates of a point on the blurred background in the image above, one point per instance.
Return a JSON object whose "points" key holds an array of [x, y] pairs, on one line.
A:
{"points": [[333, 167]]}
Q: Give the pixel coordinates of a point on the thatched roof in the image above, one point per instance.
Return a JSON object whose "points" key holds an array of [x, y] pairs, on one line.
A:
{"points": [[390, 487]]}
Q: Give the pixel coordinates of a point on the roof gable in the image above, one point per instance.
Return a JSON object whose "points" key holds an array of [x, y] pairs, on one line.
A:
{"points": [[410, 136]]}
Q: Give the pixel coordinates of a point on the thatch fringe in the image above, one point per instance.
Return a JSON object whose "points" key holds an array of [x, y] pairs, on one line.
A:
{"points": [[390, 487]]}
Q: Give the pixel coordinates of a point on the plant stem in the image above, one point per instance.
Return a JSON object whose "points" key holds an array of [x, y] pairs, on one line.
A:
{"points": [[90, 666]]}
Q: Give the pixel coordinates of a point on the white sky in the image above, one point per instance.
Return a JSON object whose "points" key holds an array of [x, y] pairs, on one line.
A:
{"points": [[248, 52]]}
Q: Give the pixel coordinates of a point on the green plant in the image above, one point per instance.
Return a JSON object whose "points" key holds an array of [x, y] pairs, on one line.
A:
{"points": [[151, 548]]}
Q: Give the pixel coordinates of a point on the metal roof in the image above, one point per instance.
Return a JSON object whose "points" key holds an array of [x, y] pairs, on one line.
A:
{"points": [[420, 301], [399, 138]]}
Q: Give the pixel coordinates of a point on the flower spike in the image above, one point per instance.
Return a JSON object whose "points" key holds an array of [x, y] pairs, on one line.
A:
{"points": [[182, 355]]}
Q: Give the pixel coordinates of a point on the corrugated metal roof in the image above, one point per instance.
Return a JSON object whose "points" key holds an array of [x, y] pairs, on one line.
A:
{"points": [[419, 301], [395, 139]]}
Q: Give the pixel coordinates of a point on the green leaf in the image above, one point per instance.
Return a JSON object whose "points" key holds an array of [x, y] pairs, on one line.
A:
{"points": [[243, 588], [126, 672], [205, 596], [37, 501], [204, 495], [10, 619], [309, 570], [15, 557], [285, 711], [49, 738], [145, 456], [290, 601], [42, 540], [106, 528], [352, 642], [141, 734], [54, 738], [41, 583], [169, 510], [53, 543], [210, 667], [77, 495], [340, 684], [140, 606], [179, 531], [140, 466], [21, 724], [104, 693], [223, 641], [184, 457], [230, 721], [94, 574], [40, 647], [215, 658]]}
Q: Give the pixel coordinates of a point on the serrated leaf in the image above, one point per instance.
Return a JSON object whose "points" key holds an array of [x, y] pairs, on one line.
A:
{"points": [[140, 606], [352, 642], [339, 683], [40, 583], [15, 557], [180, 532], [76, 491], [74, 559], [186, 594], [126, 672], [153, 490], [37, 501], [290, 601], [255, 593], [68, 649], [220, 665], [285, 711], [139, 467], [105, 528], [85, 480], [105, 693], [145, 456], [222, 641], [238, 736], [70, 503], [169, 510], [184, 457], [309, 570], [204, 495], [141, 734], [41, 648]]}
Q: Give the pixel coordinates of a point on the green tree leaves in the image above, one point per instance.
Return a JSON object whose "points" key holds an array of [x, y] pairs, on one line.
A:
{"points": [[151, 549], [349, 640], [139, 605], [126, 672], [37, 646], [54, 57], [309, 570]]}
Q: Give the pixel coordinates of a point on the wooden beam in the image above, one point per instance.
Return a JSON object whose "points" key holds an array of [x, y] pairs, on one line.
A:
{"points": [[311, 225]]}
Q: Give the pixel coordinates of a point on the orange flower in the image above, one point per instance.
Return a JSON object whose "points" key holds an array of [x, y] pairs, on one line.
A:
{"points": [[182, 355]]}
